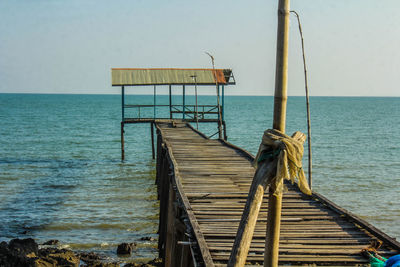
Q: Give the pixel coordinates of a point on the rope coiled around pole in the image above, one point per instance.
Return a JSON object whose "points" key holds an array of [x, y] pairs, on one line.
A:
{"points": [[289, 151]]}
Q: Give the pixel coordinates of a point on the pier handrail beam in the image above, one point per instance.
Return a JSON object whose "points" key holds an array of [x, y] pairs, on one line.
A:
{"points": [[172, 77]]}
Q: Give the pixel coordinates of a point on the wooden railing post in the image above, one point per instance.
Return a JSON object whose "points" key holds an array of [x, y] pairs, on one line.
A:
{"points": [[241, 246]]}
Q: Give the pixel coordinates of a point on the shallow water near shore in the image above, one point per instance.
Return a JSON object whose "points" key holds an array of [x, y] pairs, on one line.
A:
{"points": [[61, 176]]}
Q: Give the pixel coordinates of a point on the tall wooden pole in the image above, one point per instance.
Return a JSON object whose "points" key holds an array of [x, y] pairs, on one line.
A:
{"points": [[271, 254], [267, 169], [281, 76], [307, 103], [194, 77], [218, 105]]}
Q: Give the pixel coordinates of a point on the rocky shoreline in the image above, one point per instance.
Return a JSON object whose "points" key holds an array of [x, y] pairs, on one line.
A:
{"points": [[26, 252]]}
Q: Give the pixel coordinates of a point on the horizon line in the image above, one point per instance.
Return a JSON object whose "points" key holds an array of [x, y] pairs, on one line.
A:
{"points": [[55, 93]]}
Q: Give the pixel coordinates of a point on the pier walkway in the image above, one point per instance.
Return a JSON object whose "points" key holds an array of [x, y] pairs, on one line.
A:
{"points": [[203, 186]]}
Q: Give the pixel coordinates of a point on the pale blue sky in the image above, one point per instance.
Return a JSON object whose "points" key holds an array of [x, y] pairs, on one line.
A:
{"points": [[56, 46]]}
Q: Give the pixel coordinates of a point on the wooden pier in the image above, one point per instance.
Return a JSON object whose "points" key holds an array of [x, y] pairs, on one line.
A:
{"points": [[202, 187]]}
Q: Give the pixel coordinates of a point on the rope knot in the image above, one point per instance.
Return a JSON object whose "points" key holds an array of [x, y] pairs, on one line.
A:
{"points": [[289, 151]]}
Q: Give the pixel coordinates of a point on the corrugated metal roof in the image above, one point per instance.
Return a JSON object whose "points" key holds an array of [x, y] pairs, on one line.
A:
{"points": [[128, 76]]}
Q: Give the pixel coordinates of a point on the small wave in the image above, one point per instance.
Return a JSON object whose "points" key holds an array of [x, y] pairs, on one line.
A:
{"points": [[64, 246], [104, 244], [60, 186], [78, 246], [80, 226], [377, 218]]}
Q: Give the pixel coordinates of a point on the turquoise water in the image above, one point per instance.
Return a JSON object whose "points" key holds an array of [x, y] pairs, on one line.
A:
{"points": [[61, 176]]}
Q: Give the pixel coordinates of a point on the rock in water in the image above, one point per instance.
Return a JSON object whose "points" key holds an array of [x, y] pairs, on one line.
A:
{"points": [[125, 248], [61, 257], [89, 257], [94, 260], [103, 264], [19, 252], [153, 263], [23, 247], [25, 252]]}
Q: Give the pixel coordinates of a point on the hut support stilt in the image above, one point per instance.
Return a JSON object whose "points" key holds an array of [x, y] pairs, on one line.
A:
{"points": [[225, 136], [170, 102], [152, 140], [122, 141]]}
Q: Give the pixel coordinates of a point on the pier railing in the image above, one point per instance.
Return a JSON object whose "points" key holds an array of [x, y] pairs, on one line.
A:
{"points": [[158, 113], [181, 242], [184, 112]]}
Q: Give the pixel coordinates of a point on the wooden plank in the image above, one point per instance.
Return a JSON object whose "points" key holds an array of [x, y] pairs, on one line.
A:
{"points": [[316, 259], [319, 242]]}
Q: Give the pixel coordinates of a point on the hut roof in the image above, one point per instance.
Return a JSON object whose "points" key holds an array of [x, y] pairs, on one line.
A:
{"points": [[170, 76]]}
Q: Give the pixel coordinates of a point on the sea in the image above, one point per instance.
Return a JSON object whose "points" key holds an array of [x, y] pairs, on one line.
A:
{"points": [[61, 174]]}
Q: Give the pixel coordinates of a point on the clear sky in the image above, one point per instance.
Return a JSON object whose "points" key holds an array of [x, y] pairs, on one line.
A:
{"points": [[57, 46]]}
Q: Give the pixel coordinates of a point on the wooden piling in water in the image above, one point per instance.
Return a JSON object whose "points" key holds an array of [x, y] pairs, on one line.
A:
{"points": [[122, 122], [152, 140], [122, 142], [225, 136]]}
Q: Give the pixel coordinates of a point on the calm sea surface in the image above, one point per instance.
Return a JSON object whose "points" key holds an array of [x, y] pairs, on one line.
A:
{"points": [[61, 176]]}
